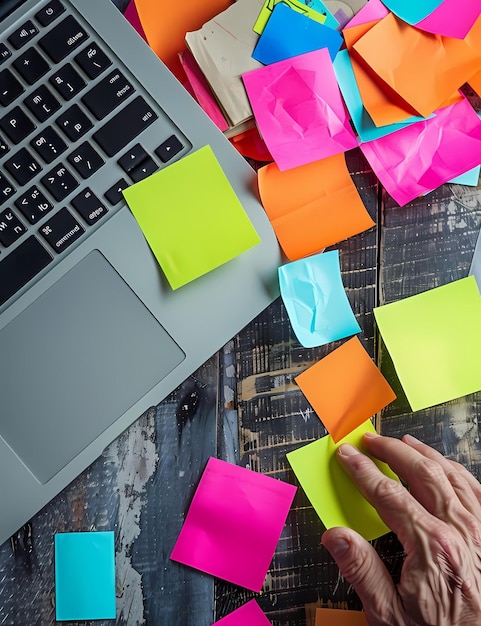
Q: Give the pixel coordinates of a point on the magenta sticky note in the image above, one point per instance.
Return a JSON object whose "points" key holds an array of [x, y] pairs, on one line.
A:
{"points": [[249, 614], [452, 18], [233, 524], [419, 158], [299, 110]]}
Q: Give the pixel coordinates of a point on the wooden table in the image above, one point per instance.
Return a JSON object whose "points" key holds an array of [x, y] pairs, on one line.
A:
{"points": [[250, 412]]}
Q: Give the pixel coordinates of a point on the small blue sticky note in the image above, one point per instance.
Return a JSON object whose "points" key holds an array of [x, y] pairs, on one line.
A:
{"points": [[316, 301], [365, 127], [469, 178], [288, 34], [85, 576]]}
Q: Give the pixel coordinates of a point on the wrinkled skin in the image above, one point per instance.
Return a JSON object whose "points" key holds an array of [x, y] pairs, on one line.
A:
{"points": [[438, 521]]}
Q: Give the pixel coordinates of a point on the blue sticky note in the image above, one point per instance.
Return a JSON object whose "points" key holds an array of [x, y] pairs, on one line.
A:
{"points": [[412, 11], [470, 178], [316, 301], [288, 34], [85, 576], [365, 127]]}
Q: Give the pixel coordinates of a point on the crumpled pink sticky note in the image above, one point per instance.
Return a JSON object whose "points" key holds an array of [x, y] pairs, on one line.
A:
{"points": [[249, 614], [452, 18], [421, 157], [233, 524], [299, 109]]}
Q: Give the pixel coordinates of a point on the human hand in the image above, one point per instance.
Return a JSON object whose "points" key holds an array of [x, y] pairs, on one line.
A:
{"points": [[438, 522]]}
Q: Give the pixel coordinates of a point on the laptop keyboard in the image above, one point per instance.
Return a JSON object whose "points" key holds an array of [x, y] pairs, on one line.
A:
{"points": [[71, 139]]}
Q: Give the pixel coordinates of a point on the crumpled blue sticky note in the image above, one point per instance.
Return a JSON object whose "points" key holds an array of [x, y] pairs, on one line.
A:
{"points": [[289, 33], [316, 301], [85, 576]]}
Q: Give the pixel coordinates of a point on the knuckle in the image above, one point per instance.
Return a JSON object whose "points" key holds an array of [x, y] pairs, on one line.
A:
{"points": [[387, 491], [429, 470]]}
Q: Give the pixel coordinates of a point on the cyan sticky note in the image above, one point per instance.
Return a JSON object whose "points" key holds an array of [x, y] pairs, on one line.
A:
{"points": [[469, 178], [289, 33], [84, 576]]}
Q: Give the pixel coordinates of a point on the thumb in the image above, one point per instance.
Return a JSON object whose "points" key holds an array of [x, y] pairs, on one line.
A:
{"points": [[361, 566]]}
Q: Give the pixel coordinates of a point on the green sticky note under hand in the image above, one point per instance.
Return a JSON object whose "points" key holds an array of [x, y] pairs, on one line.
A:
{"points": [[191, 217], [334, 496], [434, 340]]}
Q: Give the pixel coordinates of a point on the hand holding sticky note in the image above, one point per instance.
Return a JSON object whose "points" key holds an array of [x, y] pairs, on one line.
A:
{"points": [[191, 217]]}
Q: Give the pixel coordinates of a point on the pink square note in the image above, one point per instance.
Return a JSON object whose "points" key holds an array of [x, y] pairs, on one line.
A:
{"points": [[233, 524], [249, 614]]}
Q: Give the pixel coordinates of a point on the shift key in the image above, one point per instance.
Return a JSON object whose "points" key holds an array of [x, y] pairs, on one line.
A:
{"points": [[125, 126]]}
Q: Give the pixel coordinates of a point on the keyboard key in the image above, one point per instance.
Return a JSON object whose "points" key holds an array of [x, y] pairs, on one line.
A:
{"points": [[59, 182], [93, 60], [67, 81], [10, 89], [74, 122], [20, 266], [33, 204], [108, 94], [146, 168], [31, 65], [169, 148], [48, 144], [22, 166], [61, 230], [5, 53], [131, 159], [89, 206], [42, 103], [135, 117], [6, 189], [114, 194], [11, 228], [63, 38], [49, 13], [3, 147], [86, 160], [16, 125], [23, 35]]}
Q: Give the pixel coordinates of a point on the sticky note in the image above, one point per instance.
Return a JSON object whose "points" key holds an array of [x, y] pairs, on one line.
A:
{"points": [[289, 33], [312, 206], [315, 9], [340, 617], [452, 18], [248, 614], [423, 156], [434, 342], [299, 109], [333, 495], [412, 11], [233, 524], [189, 214], [316, 301], [84, 576], [374, 10], [469, 178], [345, 388]]}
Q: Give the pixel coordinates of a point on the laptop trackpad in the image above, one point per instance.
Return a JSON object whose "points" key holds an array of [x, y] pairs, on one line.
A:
{"points": [[93, 350]]}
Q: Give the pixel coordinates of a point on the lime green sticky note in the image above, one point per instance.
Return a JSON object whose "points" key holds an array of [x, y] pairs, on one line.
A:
{"points": [[434, 340], [317, 12], [191, 217], [331, 492]]}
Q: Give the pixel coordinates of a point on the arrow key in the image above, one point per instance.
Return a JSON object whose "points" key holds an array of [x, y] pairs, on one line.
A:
{"points": [[169, 148], [131, 159]]}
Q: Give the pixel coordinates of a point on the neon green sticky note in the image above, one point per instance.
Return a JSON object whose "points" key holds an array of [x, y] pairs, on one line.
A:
{"points": [[434, 340], [331, 492], [317, 12], [191, 217]]}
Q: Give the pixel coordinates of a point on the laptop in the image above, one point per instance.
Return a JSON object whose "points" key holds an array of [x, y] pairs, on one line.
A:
{"points": [[91, 334]]}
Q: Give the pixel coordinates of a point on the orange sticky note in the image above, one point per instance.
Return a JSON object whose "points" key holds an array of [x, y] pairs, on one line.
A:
{"points": [[340, 617], [165, 25], [475, 83], [345, 388], [423, 68], [312, 206]]}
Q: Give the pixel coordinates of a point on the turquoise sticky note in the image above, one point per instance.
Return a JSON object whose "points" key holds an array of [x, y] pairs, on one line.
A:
{"points": [[288, 34], [412, 11], [84, 576], [315, 300], [469, 178], [365, 127]]}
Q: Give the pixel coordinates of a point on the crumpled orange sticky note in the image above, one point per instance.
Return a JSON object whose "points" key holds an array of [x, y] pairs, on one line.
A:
{"points": [[423, 68], [345, 388], [312, 206]]}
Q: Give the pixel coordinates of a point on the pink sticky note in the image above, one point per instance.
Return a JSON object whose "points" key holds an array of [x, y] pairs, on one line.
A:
{"points": [[249, 614], [233, 524], [421, 157], [370, 12], [299, 109], [452, 18], [132, 16]]}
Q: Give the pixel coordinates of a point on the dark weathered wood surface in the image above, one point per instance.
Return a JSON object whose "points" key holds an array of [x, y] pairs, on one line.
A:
{"points": [[250, 412]]}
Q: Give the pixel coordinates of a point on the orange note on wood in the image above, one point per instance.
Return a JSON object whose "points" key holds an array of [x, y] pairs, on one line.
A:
{"points": [[340, 617], [423, 68], [312, 206]]}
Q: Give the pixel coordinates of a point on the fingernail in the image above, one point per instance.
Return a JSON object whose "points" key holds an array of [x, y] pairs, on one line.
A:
{"points": [[339, 547], [347, 450], [412, 440], [370, 435]]}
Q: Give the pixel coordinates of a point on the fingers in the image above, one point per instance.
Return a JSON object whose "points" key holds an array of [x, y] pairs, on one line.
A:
{"points": [[360, 565]]}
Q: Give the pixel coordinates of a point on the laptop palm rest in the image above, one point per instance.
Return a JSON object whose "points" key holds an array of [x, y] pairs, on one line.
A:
{"points": [[88, 334]]}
